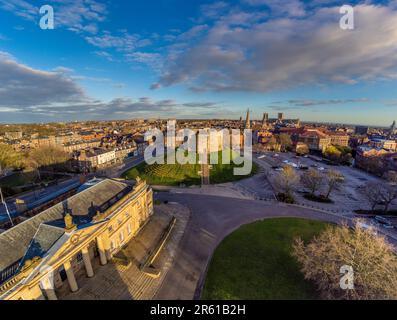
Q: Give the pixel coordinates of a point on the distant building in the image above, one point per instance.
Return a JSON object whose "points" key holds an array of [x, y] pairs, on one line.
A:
{"points": [[375, 160], [392, 128], [390, 145], [248, 120], [361, 130], [339, 139], [13, 135], [281, 116], [315, 139], [96, 158], [265, 119]]}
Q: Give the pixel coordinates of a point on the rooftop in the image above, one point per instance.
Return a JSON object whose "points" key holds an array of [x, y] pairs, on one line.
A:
{"points": [[37, 234]]}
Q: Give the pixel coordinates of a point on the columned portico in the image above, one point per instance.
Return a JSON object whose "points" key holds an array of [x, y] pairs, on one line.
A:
{"points": [[87, 262], [71, 278], [48, 287], [102, 251]]}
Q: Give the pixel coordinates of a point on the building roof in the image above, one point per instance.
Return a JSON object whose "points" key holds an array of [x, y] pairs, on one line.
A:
{"points": [[17, 241], [314, 132]]}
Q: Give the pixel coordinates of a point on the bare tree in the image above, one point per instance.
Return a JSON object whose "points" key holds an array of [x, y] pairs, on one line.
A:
{"points": [[286, 181], [285, 141], [391, 176], [388, 194], [312, 180], [373, 193], [334, 179], [371, 258]]}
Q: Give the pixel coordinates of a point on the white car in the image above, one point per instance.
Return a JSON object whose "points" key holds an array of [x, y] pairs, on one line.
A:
{"points": [[321, 169], [261, 157], [286, 161]]}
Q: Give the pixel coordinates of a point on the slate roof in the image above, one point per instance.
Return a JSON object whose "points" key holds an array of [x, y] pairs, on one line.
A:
{"points": [[32, 234], [44, 239]]}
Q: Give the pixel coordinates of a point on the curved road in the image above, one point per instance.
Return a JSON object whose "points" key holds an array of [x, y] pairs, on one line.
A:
{"points": [[212, 219]]}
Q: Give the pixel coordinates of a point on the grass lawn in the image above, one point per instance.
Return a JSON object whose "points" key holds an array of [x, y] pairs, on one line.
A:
{"points": [[176, 174], [255, 262]]}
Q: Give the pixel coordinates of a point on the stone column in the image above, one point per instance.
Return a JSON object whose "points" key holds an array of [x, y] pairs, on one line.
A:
{"points": [[71, 278], [87, 263], [102, 251], [48, 288]]}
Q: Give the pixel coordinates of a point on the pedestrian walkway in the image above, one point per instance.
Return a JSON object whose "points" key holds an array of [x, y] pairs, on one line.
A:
{"points": [[117, 281]]}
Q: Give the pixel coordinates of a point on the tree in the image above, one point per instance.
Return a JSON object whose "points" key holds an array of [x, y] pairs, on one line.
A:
{"points": [[312, 180], [334, 179], [48, 156], [271, 143], [286, 181], [391, 177], [332, 153], [374, 165], [371, 258], [285, 141], [388, 194], [302, 149], [373, 192], [8, 158]]}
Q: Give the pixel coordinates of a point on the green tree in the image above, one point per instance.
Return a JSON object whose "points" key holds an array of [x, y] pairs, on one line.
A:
{"points": [[332, 153]]}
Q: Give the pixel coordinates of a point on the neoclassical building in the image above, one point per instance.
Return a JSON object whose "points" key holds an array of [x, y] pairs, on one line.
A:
{"points": [[43, 254]]}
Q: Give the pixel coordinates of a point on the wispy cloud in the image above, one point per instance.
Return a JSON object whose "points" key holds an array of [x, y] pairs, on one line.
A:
{"points": [[80, 16]]}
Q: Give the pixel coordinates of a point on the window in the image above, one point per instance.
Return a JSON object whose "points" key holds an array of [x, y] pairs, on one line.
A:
{"points": [[121, 236], [112, 245], [110, 228], [129, 229], [120, 221]]}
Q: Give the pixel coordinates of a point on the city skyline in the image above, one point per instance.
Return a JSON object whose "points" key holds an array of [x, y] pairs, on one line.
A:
{"points": [[108, 61]]}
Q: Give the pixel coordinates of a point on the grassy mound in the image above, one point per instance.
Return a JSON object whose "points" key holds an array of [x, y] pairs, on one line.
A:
{"points": [[188, 174], [255, 262]]}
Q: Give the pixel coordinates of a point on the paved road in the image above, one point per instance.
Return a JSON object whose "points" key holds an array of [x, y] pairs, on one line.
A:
{"points": [[212, 219]]}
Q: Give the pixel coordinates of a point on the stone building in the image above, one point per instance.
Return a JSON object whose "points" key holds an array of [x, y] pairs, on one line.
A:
{"points": [[315, 139], [51, 251]]}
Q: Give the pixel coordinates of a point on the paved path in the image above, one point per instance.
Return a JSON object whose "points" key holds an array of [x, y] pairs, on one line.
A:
{"points": [[117, 282], [212, 219]]}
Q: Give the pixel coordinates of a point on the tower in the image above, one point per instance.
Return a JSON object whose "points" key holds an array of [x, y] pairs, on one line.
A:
{"points": [[393, 127], [265, 119], [248, 121], [281, 116]]}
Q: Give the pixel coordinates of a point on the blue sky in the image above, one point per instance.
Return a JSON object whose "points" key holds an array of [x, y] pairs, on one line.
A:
{"points": [[198, 59]]}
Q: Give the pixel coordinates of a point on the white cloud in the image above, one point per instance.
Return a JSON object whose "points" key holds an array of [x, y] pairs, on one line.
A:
{"points": [[23, 86], [287, 52]]}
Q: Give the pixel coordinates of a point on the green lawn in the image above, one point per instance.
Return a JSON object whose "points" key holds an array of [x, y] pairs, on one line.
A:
{"points": [[255, 262], [176, 174]]}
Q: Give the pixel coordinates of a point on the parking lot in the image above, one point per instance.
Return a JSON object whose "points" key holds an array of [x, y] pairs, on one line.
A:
{"points": [[349, 196]]}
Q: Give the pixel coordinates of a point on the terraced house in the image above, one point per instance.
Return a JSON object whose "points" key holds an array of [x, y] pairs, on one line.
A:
{"points": [[47, 254]]}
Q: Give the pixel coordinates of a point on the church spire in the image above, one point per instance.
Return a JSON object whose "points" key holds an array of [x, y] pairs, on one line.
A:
{"points": [[248, 121]]}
